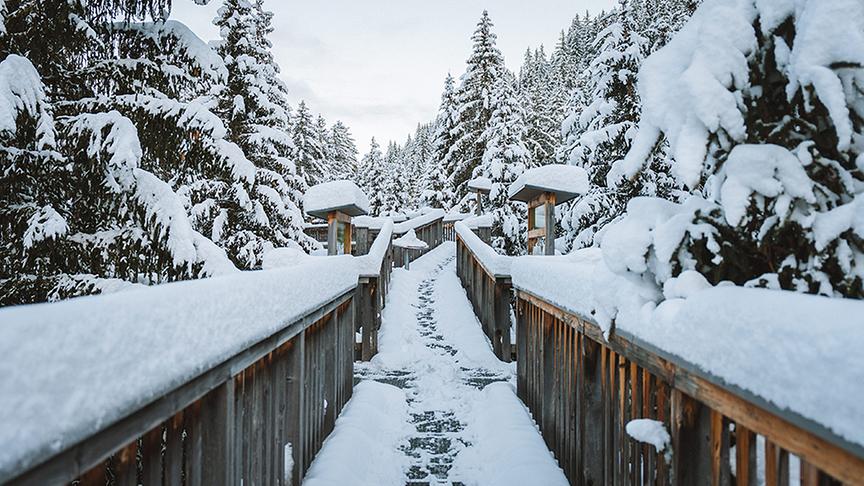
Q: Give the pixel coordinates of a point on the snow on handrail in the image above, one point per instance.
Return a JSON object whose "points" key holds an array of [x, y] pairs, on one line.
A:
{"points": [[794, 351], [495, 264], [369, 265], [427, 217], [105, 357]]}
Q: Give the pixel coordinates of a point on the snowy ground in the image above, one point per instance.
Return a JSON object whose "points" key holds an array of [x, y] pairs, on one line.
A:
{"points": [[435, 406]]}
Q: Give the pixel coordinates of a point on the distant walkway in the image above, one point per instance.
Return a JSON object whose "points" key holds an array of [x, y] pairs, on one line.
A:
{"points": [[435, 406]]}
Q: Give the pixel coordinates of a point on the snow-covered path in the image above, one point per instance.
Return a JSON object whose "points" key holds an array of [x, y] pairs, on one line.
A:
{"points": [[435, 406]]}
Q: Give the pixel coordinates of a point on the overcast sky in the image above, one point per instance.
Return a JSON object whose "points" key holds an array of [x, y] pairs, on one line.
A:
{"points": [[379, 65]]}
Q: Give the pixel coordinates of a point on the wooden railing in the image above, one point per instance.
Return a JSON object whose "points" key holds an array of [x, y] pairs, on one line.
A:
{"points": [[583, 389], [372, 290], [257, 417], [428, 227], [488, 285], [242, 421]]}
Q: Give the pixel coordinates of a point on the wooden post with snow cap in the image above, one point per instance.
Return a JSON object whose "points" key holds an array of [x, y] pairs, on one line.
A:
{"points": [[409, 241], [480, 186], [337, 202], [542, 189]]}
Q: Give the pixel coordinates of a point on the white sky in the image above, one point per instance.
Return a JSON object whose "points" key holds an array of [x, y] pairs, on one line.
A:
{"points": [[379, 65]]}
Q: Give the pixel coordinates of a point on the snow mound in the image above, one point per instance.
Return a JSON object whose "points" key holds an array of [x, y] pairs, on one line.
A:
{"points": [[507, 450], [650, 432], [284, 257], [328, 196], [360, 450], [592, 290], [409, 240]]}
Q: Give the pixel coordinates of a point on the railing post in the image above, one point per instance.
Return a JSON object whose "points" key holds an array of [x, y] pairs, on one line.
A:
{"points": [[691, 441], [217, 435], [296, 425], [362, 240], [590, 424], [501, 316]]}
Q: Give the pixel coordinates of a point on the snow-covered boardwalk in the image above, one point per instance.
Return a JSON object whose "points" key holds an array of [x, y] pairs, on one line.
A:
{"points": [[435, 406]]}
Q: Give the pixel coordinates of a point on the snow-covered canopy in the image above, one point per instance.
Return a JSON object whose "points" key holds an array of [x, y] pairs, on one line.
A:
{"points": [[409, 240], [480, 184], [565, 181], [343, 196]]}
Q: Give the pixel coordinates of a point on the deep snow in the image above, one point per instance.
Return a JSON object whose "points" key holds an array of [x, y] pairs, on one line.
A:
{"points": [[463, 422]]}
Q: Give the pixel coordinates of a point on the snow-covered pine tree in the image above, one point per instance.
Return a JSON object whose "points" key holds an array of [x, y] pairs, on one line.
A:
{"points": [[310, 153], [775, 159], [89, 212], [600, 127], [344, 152], [253, 102], [506, 157], [540, 96], [394, 186], [485, 68], [439, 191], [372, 175]]}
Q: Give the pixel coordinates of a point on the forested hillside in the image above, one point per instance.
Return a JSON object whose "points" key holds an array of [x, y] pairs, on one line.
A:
{"points": [[729, 143], [135, 153]]}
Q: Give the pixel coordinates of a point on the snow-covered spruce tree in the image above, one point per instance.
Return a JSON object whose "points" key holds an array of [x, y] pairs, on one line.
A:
{"points": [[394, 185], [540, 96], [309, 152], [506, 157], [439, 191], [485, 68], [89, 212], [372, 175], [253, 103], [764, 115], [343, 151], [600, 127]]}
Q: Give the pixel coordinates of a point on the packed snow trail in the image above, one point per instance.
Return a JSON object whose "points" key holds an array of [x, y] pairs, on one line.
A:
{"points": [[435, 406]]}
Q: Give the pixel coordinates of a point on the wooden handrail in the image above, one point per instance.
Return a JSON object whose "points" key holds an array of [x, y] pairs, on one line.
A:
{"points": [[210, 430], [583, 389], [489, 294]]}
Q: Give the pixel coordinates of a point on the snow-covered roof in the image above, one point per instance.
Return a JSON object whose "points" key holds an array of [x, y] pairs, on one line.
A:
{"points": [[794, 351], [409, 240], [59, 362], [480, 184], [344, 196], [565, 181]]}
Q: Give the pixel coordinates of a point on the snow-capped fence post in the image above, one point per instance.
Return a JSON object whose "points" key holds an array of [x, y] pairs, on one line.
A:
{"points": [[543, 188], [336, 202], [583, 388], [480, 186]]}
